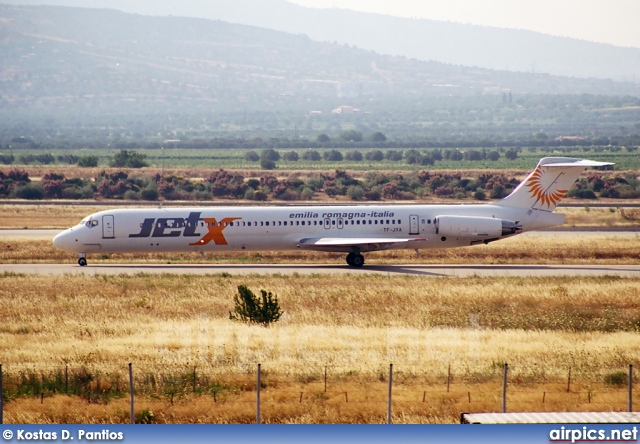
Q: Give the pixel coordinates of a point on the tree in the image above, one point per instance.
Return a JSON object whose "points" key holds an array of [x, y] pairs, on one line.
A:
{"points": [[270, 154], [511, 154], [378, 137], [351, 136], [128, 159], [355, 156], [376, 156], [250, 308], [252, 156], [88, 161], [323, 138], [332, 156], [311, 155], [267, 164], [291, 156]]}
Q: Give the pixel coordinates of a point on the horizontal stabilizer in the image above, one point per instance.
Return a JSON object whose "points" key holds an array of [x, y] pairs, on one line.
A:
{"points": [[578, 163]]}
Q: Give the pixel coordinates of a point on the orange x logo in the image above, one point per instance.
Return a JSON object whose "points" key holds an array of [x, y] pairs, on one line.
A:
{"points": [[215, 231]]}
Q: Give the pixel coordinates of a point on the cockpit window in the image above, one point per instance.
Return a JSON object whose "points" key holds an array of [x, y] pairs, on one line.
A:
{"points": [[89, 223], [94, 223]]}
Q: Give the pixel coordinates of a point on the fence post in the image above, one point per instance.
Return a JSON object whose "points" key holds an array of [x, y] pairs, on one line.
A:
{"points": [[258, 397], [630, 388], [504, 388], [325, 379], [569, 381], [389, 397], [66, 379], [1, 397], [448, 378], [132, 418]]}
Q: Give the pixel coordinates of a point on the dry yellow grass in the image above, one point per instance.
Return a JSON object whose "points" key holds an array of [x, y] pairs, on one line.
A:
{"points": [[354, 327]]}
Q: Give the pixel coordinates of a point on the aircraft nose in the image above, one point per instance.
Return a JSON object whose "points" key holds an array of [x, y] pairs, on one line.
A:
{"points": [[64, 240]]}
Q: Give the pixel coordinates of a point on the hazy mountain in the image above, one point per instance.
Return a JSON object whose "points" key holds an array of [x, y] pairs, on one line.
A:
{"points": [[105, 74], [468, 45]]}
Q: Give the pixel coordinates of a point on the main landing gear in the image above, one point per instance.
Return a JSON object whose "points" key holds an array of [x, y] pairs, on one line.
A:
{"points": [[355, 259]]}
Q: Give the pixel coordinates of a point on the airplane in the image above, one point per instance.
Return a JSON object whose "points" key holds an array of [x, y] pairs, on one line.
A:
{"points": [[351, 229]]}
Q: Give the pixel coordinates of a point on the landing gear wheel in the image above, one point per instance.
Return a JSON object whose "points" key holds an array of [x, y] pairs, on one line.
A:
{"points": [[82, 262], [350, 259], [357, 260]]}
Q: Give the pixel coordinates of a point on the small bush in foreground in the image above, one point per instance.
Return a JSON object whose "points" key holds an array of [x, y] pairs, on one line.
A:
{"points": [[249, 308]]}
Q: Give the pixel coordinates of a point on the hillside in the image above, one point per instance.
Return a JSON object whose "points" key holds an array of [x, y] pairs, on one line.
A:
{"points": [[118, 72], [455, 43]]}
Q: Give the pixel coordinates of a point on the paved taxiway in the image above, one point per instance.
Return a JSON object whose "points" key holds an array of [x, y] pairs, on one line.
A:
{"points": [[460, 270]]}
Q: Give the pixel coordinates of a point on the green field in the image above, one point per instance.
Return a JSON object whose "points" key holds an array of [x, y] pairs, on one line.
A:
{"points": [[235, 159]]}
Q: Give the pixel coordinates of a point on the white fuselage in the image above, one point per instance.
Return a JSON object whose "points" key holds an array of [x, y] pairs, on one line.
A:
{"points": [[285, 228]]}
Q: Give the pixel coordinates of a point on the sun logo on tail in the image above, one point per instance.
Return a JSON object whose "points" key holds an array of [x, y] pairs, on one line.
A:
{"points": [[543, 192]]}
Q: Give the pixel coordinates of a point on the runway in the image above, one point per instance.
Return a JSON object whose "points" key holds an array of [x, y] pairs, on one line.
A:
{"points": [[430, 270], [427, 270]]}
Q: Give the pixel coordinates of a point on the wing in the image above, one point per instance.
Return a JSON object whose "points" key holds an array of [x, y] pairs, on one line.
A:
{"points": [[361, 244]]}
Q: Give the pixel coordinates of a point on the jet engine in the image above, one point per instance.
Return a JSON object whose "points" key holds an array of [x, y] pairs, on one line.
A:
{"points": [[469, 226]]}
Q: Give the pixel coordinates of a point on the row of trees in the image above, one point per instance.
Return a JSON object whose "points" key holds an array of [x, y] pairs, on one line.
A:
{"points": [[269, 157], [223, 184]]}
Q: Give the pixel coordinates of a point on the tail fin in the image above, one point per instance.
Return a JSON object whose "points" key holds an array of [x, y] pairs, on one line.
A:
{"points": [[549, 182]]}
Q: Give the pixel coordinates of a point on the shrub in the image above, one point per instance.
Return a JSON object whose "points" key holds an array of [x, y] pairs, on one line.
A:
{"points": [[149, 194], [30, 192], [479, 195], [250, 308], [252, 156], [616, 378]]}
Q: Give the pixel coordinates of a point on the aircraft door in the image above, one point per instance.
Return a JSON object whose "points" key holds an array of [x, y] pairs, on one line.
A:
{"points": [[327, 223], [107, 227], [414, 226]]}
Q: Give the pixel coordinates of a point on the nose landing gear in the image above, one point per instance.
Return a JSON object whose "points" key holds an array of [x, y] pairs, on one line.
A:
{"points": [[82, 260]]}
